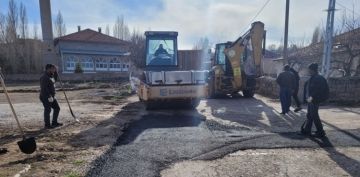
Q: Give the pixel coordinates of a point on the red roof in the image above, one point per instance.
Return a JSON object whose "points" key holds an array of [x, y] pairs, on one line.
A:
{"points": [[89, 35]]}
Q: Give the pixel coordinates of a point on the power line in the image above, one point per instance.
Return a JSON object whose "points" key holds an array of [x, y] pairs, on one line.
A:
{"points": [[346, 8], [257, 14], [262, 8]]}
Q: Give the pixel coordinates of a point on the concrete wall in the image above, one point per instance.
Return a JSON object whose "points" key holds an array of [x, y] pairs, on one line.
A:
{"points": [[344, 90], [106, 76], [190, 59]]}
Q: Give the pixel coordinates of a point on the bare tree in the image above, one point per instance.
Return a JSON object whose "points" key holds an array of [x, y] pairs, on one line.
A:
{"points": [[35, 31], [316, 36], [59, 25], [121, 30], [11, 36], [12, 22], [349, 42], [2, 28], [23, 22], [137, 49], [107, 30], [202, 44]]}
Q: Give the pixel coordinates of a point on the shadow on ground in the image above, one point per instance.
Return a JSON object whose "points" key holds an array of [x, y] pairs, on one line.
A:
{"points": [[254, 113]]}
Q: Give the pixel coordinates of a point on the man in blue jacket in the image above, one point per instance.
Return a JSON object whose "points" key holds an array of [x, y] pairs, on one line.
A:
{"points": [[316, 91], [47, 96]]}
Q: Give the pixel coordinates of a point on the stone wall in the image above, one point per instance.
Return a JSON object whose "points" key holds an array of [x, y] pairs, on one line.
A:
{"points": [[346, 90], [342, 90]]}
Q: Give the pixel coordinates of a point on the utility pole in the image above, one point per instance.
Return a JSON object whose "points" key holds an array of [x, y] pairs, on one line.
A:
{"points": [[285, 51], [326, 61]]}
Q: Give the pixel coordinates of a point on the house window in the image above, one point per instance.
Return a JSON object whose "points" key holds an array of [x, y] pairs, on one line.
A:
{"points": [[70, 63], [125, 67], [114, 65], [101, 64], [87, 64]]}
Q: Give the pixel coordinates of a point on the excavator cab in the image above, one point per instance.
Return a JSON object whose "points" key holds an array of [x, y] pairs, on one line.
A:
{"points": [[221, 59]]}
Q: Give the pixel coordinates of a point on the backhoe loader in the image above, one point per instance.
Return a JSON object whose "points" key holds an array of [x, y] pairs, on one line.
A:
{"points": [[236, 64]]}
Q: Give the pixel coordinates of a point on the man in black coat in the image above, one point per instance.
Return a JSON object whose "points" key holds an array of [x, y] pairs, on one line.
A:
{"points": [[294, 94], [286, 81], [316, 91], [47, 96]]}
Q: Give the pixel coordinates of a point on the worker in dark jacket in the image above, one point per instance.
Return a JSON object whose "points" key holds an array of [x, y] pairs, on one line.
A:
{"points": [[286, 81], [161, 50], [47, 96], [316, 91], [294, 94]]}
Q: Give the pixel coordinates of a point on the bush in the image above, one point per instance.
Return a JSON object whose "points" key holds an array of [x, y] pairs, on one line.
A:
{"points": [[78, 68]]}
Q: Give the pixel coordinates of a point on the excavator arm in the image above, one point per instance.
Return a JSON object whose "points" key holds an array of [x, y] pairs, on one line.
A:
{"points": [[238, 53]]}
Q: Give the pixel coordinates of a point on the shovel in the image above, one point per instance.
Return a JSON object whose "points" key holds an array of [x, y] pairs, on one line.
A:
{"points": [[27, 145], [67, 100]]}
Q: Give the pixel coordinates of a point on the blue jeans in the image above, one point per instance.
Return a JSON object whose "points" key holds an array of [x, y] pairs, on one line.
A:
{"points": [[285, 99]]}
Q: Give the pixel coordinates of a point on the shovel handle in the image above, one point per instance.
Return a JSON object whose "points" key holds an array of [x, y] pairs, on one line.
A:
{"points": [[66, 98], [11, 105]]}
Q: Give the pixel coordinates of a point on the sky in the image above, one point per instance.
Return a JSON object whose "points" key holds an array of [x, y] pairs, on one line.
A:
{"points": [[220, 21]]}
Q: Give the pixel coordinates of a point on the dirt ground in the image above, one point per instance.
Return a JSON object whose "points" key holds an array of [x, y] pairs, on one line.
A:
{"points": [[67, 150]]}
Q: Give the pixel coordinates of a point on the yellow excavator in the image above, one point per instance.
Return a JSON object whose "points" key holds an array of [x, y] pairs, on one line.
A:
{"points": [[236, 65]]}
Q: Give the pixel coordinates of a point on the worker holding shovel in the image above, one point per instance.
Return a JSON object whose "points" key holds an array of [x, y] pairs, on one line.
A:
{"points": [[47, 96]]}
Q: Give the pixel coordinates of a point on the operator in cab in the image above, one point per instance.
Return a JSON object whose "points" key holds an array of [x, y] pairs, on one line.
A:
{"points": [[160, 51]]}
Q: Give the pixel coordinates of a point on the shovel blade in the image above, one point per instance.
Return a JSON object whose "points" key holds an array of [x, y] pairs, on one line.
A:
{"points": [[27, 145]]}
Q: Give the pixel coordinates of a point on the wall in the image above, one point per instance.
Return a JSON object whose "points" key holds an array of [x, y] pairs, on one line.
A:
{"points": [[192, 60], [343, 90], [69, 77]]}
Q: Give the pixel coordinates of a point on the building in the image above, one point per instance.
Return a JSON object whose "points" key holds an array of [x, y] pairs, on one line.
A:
{"points": [[94, 51]]}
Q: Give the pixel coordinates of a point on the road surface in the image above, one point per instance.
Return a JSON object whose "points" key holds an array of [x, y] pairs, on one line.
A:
{"points": [[233, 137]]}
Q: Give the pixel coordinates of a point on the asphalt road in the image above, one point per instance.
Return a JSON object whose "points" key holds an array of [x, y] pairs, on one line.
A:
{"points": [[160, 138]]}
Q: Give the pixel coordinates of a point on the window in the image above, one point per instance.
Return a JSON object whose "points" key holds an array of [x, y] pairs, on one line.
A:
{"points": [[125, 67], [70, 63], [220, 55], [161, 52], [101, 64], [87, 64], [115, 65]]}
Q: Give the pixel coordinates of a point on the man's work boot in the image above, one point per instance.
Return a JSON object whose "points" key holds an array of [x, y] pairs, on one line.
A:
{"points": [[319, 134], [297, 109], [57, 124], [304, 133], [48, 127]]}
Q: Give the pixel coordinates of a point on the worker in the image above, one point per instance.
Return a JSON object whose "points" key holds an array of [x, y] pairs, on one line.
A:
{"points": [[47, 96], [286, 82], [296, 90], [160, 51], [316, 91]]}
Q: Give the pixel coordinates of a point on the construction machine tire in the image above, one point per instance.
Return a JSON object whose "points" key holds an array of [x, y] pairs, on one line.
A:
{"points": [[211, 89], [151, 105], [194, 103], [248, 93]]}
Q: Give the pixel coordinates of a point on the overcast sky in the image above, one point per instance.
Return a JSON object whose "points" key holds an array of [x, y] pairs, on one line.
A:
{"points": [[220, 21]]}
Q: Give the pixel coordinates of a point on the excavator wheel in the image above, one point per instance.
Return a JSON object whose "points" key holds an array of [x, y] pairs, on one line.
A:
{"points": [[248, 93], [211, 89]]}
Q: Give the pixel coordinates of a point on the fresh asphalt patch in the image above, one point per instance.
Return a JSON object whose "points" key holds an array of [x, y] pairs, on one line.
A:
{"points": [[159, 139]]}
